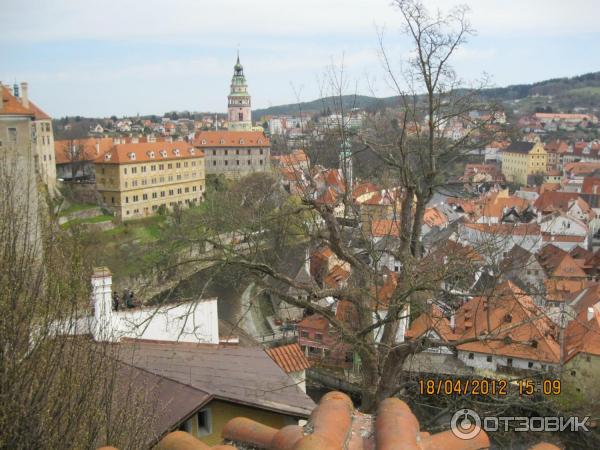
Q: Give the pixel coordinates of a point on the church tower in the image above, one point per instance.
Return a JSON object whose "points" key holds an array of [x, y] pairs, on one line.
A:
{"points": [[239, 108]]}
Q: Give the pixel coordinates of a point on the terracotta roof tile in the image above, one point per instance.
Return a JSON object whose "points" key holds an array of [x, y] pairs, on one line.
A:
{"points": [[210, 139], [289, 357], [11, 106], [148, 152]]}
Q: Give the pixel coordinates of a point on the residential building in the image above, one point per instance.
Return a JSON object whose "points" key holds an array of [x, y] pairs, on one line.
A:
{"points": [[239, 108], [234, 153], [235, 381], [138, 179], [521, 160], [524, 337], [18, 163], [42, 137]]}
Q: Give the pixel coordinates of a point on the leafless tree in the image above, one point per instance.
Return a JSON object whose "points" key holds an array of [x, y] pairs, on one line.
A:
{"points": [[58, 389]]}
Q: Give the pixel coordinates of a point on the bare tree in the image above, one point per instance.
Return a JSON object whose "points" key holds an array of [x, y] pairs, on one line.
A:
{"points": [[58, 389]]}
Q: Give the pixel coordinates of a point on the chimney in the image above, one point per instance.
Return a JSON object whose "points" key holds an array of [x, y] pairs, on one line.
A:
{"points": [[453, 322], [102, 301], [307, 260], [24, 95], [590, 313]]}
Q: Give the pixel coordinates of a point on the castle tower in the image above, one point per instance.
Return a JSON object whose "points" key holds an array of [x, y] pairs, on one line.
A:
{"points": [[239, 108]]}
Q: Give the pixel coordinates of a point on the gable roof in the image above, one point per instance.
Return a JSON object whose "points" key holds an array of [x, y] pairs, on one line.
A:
{"points": [[583, 334], [11, 106], [558, 263], [148, 152], [522, 147], [91, 148], [245, 375], [520, 329], [289, 357], [210, 139], [550, 201]]}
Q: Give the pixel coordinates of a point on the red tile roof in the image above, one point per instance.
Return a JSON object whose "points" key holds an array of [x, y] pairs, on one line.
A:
{"points": [[520, 328], [550, 201], [289, 357], [209, 139], [11, 106], [314, 322], [148, 152], [385, 227], [91, 148]]}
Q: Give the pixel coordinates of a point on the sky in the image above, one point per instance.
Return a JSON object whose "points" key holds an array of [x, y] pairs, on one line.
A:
{"points": [[125, 57]]}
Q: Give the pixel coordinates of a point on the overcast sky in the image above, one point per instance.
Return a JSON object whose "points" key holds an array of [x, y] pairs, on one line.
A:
{"points": [[98, 58]]}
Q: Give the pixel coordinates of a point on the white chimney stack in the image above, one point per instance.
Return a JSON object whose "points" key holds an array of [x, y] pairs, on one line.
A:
{"points": [[590, 314], [102, 300], [24, 95], [453, 322]]}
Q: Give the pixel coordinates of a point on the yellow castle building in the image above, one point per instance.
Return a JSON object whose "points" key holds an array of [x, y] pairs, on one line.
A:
{"points": [[521, 160]]}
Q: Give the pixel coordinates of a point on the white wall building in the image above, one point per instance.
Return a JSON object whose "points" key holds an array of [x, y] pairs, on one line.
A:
{"points": [[187, 322]]}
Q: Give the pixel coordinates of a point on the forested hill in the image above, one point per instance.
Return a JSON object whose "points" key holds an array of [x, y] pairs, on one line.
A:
{"points": [[567, 93]]}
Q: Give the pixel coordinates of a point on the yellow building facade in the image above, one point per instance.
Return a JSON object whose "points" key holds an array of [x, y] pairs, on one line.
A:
{"points": [[520, 160], [136, 180]]}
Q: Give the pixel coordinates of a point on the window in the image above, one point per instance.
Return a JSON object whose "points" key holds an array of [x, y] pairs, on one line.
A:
{"points": [[124, 170], [178, 165], [153, 167], [248, 151], [573, 373], [214, 163], [261, 151], [187, 189], [488, 359], [186, 426], [471, 355], [304, 334], [237, 163], [154, 195], [169, 166], [226, 152], [319, 337], [237, 152], [135, 198], [161, 167], [588, 358], [226, 163], [204, 418], [12, 136], [134, 170], [170, 191], [530, 365], [143, 169], [162, 193], [249, 162], [145, 197], [261, 162], [126, 199], [240, 117], [509, 362]]}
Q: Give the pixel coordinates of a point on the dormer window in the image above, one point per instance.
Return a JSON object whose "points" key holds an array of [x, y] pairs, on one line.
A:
{"points": [[151, 155], [260, 141], [131, 156], [241, 141], [203, 141], [192, 151], [163, 153], [176, 151], [222, 141], [107, 156]]}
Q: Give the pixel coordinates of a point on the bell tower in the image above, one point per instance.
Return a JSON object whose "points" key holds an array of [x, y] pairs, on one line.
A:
{"points": [[239, 108]]}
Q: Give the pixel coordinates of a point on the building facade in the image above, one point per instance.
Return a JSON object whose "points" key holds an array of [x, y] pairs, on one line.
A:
{"points": [[521, 160], [136, 180], [239, 108], [42, 137], [234, 153]]}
